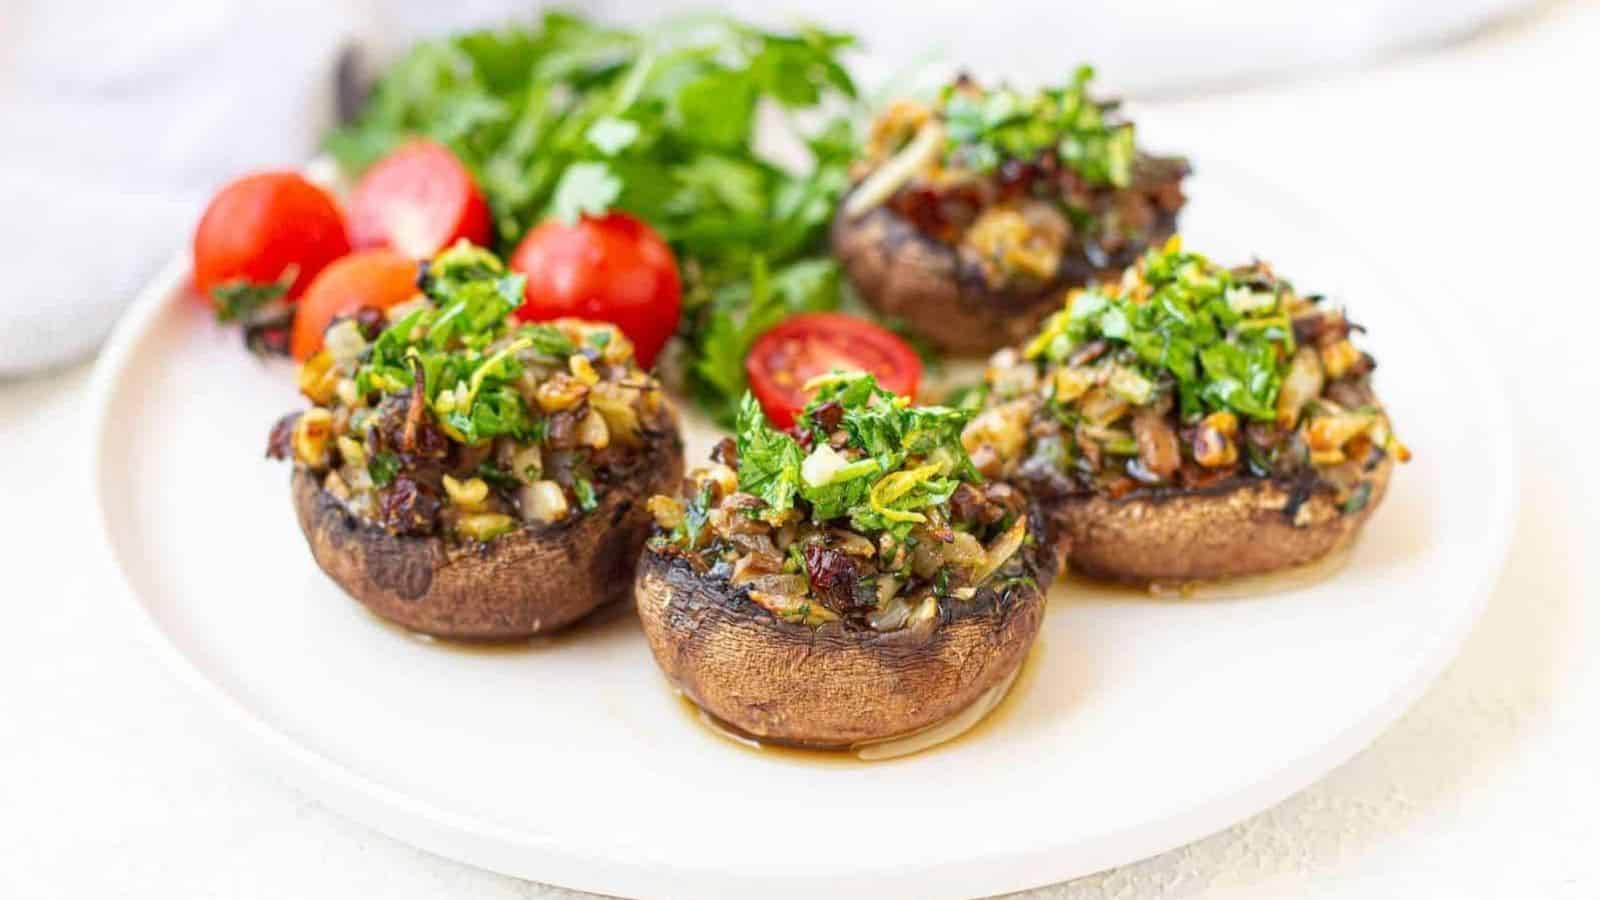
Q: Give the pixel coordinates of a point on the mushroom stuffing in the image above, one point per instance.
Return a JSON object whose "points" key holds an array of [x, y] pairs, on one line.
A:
{"points": [[823, 585], [970, 213], [1190, 422], [467, 475]]}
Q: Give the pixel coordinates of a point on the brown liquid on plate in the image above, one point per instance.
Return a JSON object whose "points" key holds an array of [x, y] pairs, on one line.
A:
{"points": [[985, 714]]}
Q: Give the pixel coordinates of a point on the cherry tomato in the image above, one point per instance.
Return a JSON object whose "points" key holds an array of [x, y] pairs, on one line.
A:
{"points": [[376, 278], [801, 348], [261, 227], [418, 200], [612, 268]]}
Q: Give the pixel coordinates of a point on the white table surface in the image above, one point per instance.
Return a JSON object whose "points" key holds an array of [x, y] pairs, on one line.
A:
{"points": [[1478, 162]]}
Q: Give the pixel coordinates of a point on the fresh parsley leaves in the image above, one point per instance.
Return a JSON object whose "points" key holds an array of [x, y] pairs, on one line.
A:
{"points": [[742, 311], [470, 388], [583, 488], [1222, 343], [986, 128], [383, 467], [897, 462], [769, 460], [563, 117]]}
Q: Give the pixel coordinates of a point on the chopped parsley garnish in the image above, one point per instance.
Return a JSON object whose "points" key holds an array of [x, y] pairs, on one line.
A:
{"points": [[897, 460], [383, 467], [1221, 339], [584, 489], [466, 349], [986, 128], [497, 476]]}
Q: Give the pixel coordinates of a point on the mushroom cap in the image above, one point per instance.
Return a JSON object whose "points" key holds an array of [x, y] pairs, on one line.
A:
{"points": [[904, 273], [839, 684], [1243, 526], [532, 580]]}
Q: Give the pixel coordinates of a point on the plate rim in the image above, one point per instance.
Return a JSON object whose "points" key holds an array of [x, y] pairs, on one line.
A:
{"points": [[427, 826]]}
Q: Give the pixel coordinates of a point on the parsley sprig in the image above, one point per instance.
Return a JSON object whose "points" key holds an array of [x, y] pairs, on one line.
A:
{"points": [[564, 117]]}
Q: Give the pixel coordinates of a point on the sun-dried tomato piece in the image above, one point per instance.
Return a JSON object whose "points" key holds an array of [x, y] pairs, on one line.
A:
{"points": [[278, 441], [408, 507]]}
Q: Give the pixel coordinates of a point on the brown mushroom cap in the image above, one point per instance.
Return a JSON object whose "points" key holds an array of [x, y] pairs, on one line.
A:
{"points": [[903, 273], [837, 685], [529, 581], [1244, 526]]}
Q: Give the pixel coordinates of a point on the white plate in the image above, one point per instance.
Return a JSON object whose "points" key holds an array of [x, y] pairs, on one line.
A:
{"points": [[1139, 725]]}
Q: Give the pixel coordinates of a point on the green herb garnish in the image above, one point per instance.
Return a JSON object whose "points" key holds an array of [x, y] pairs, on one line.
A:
{"points": [[565, 117], [584, 489], [898, 460], [496, 476], [986, 128], [1222, 340], [469, 387], [383, 467]]}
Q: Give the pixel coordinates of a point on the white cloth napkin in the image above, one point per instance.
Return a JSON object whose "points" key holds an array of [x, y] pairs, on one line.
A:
{"points": [[118, 120]]}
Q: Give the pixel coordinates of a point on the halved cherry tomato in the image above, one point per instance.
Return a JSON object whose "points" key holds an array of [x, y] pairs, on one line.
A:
{"points": [[376, 278], [811, 344], [612, 268], [264, 228], [418, 200]]}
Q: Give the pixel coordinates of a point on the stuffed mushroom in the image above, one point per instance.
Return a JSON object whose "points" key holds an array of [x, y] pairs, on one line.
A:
{"points": [[969, 215], [1190, 422], [848, 580], [467, 476]]}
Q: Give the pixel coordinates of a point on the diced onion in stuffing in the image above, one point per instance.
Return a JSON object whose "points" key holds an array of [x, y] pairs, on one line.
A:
{"points": [[1301, 385], [1330, 432], [485, 526], [592, 431], [1130, 386], [527, 463], [351, 451], [1100, 407], [615, 404], [543, 501], [825, 465], [344, 341], [890, 616], [896, 171], [1004, 428], [1002, 549]]}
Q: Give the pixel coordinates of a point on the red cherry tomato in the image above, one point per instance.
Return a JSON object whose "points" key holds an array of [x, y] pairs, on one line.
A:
{"points": [[376, 278], [611, 268], [260, 227], [418, 200], [812, 344]]}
